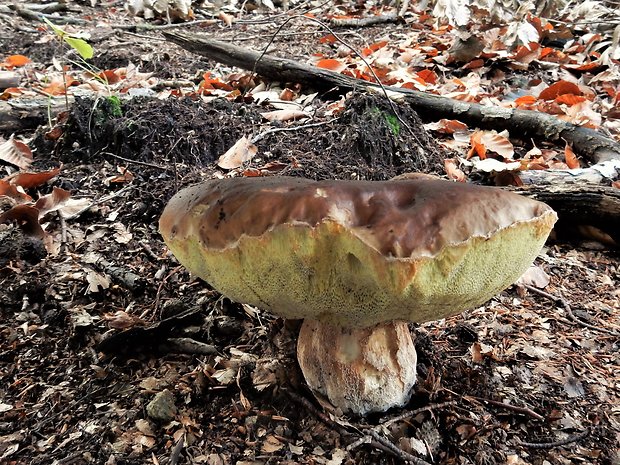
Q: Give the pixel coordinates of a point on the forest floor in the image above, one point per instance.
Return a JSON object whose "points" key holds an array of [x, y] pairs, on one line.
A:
{"points": [[95, 314]]}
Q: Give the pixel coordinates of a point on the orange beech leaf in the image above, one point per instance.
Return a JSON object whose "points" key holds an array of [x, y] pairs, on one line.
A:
{"points": [[251, 173], [446, 126], [411, 85], [616, 184], [29, 180], [427, 76], [570, 99], [209, 83], [58, 86], [526, 55], [27, 218], [545, 51], [328, 39], [110, 76], [474, 64], [592, 66], [9, 190], [559, 88], [526, 100], [508, 178], [477, 147], [374, 47], [11, 92], [332, 64], [571, 159], [16, 153], [15, 61], [287, 95]]}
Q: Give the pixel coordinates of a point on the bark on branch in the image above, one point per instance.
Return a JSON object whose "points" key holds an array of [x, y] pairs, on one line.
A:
{"points": [[524, 123], [585, 204]]}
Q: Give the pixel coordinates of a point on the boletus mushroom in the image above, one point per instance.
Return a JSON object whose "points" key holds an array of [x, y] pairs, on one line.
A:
{"points": [[356, 260]]}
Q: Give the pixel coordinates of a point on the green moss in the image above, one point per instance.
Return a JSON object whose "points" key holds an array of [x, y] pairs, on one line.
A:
{"points": [[114, 106], [390, 119]]}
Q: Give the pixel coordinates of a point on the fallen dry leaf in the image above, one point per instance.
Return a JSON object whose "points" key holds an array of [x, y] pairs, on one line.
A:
{"points": [[30, 180], [453, 171], [16, 153], [243, 151], [570, 158], [559, 88], [27, 218], [285, 115]]}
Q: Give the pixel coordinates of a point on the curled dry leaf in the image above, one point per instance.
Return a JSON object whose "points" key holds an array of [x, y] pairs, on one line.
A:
{"points": [[60, 200], [498, 143], [570, 158], [453, 171], [30, 180], [27, 218], [16, 153], [446, 126], [559, 88], [13, 192], [535, 276], [243, 150]]}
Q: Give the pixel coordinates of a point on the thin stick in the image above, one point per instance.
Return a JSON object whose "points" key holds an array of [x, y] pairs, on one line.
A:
{"points": [[262, 135], [514, 408], [364, 22], [562, 442], [569, 311], [395, 450], [411, 413], [136, 162], [316, 412]]}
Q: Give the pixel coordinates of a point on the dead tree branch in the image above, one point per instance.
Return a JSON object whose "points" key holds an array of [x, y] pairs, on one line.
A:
{"points": [[528, 124]]}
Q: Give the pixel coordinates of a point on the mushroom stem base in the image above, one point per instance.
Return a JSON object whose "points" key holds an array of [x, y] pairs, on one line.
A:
{"points": [[359, 370]]}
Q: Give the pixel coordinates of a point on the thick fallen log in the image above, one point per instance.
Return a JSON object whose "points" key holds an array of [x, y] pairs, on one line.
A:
{"points": [[526, 124], [602, 173], [24, 114], [581, 205]]}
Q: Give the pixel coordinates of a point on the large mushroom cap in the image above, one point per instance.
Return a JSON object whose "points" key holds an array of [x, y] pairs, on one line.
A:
{"points": [[355, 253]]}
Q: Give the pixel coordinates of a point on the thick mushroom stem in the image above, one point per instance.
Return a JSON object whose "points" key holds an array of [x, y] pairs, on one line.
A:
{"points": [[359, 370]]}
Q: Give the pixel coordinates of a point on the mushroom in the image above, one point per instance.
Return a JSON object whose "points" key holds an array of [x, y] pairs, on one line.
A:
{"points": [[356, 260]]}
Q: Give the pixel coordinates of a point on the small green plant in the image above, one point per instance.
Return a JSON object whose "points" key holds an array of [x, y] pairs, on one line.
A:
{"points": [[79, 45]]}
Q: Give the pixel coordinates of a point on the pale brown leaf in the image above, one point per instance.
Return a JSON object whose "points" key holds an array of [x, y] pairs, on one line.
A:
{"points": [[16, 153], [238, 154]]}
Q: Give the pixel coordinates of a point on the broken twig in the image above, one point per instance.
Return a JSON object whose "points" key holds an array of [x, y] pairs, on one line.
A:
{"points": [[515, 408], [569, 311], [562, 442]]}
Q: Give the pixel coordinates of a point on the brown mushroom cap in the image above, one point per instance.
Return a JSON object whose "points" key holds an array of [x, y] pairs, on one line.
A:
{"points": [[355, 253]]}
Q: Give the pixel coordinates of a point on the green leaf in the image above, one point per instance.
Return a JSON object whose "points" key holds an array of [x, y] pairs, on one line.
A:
{"points": [[80, 46]]}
